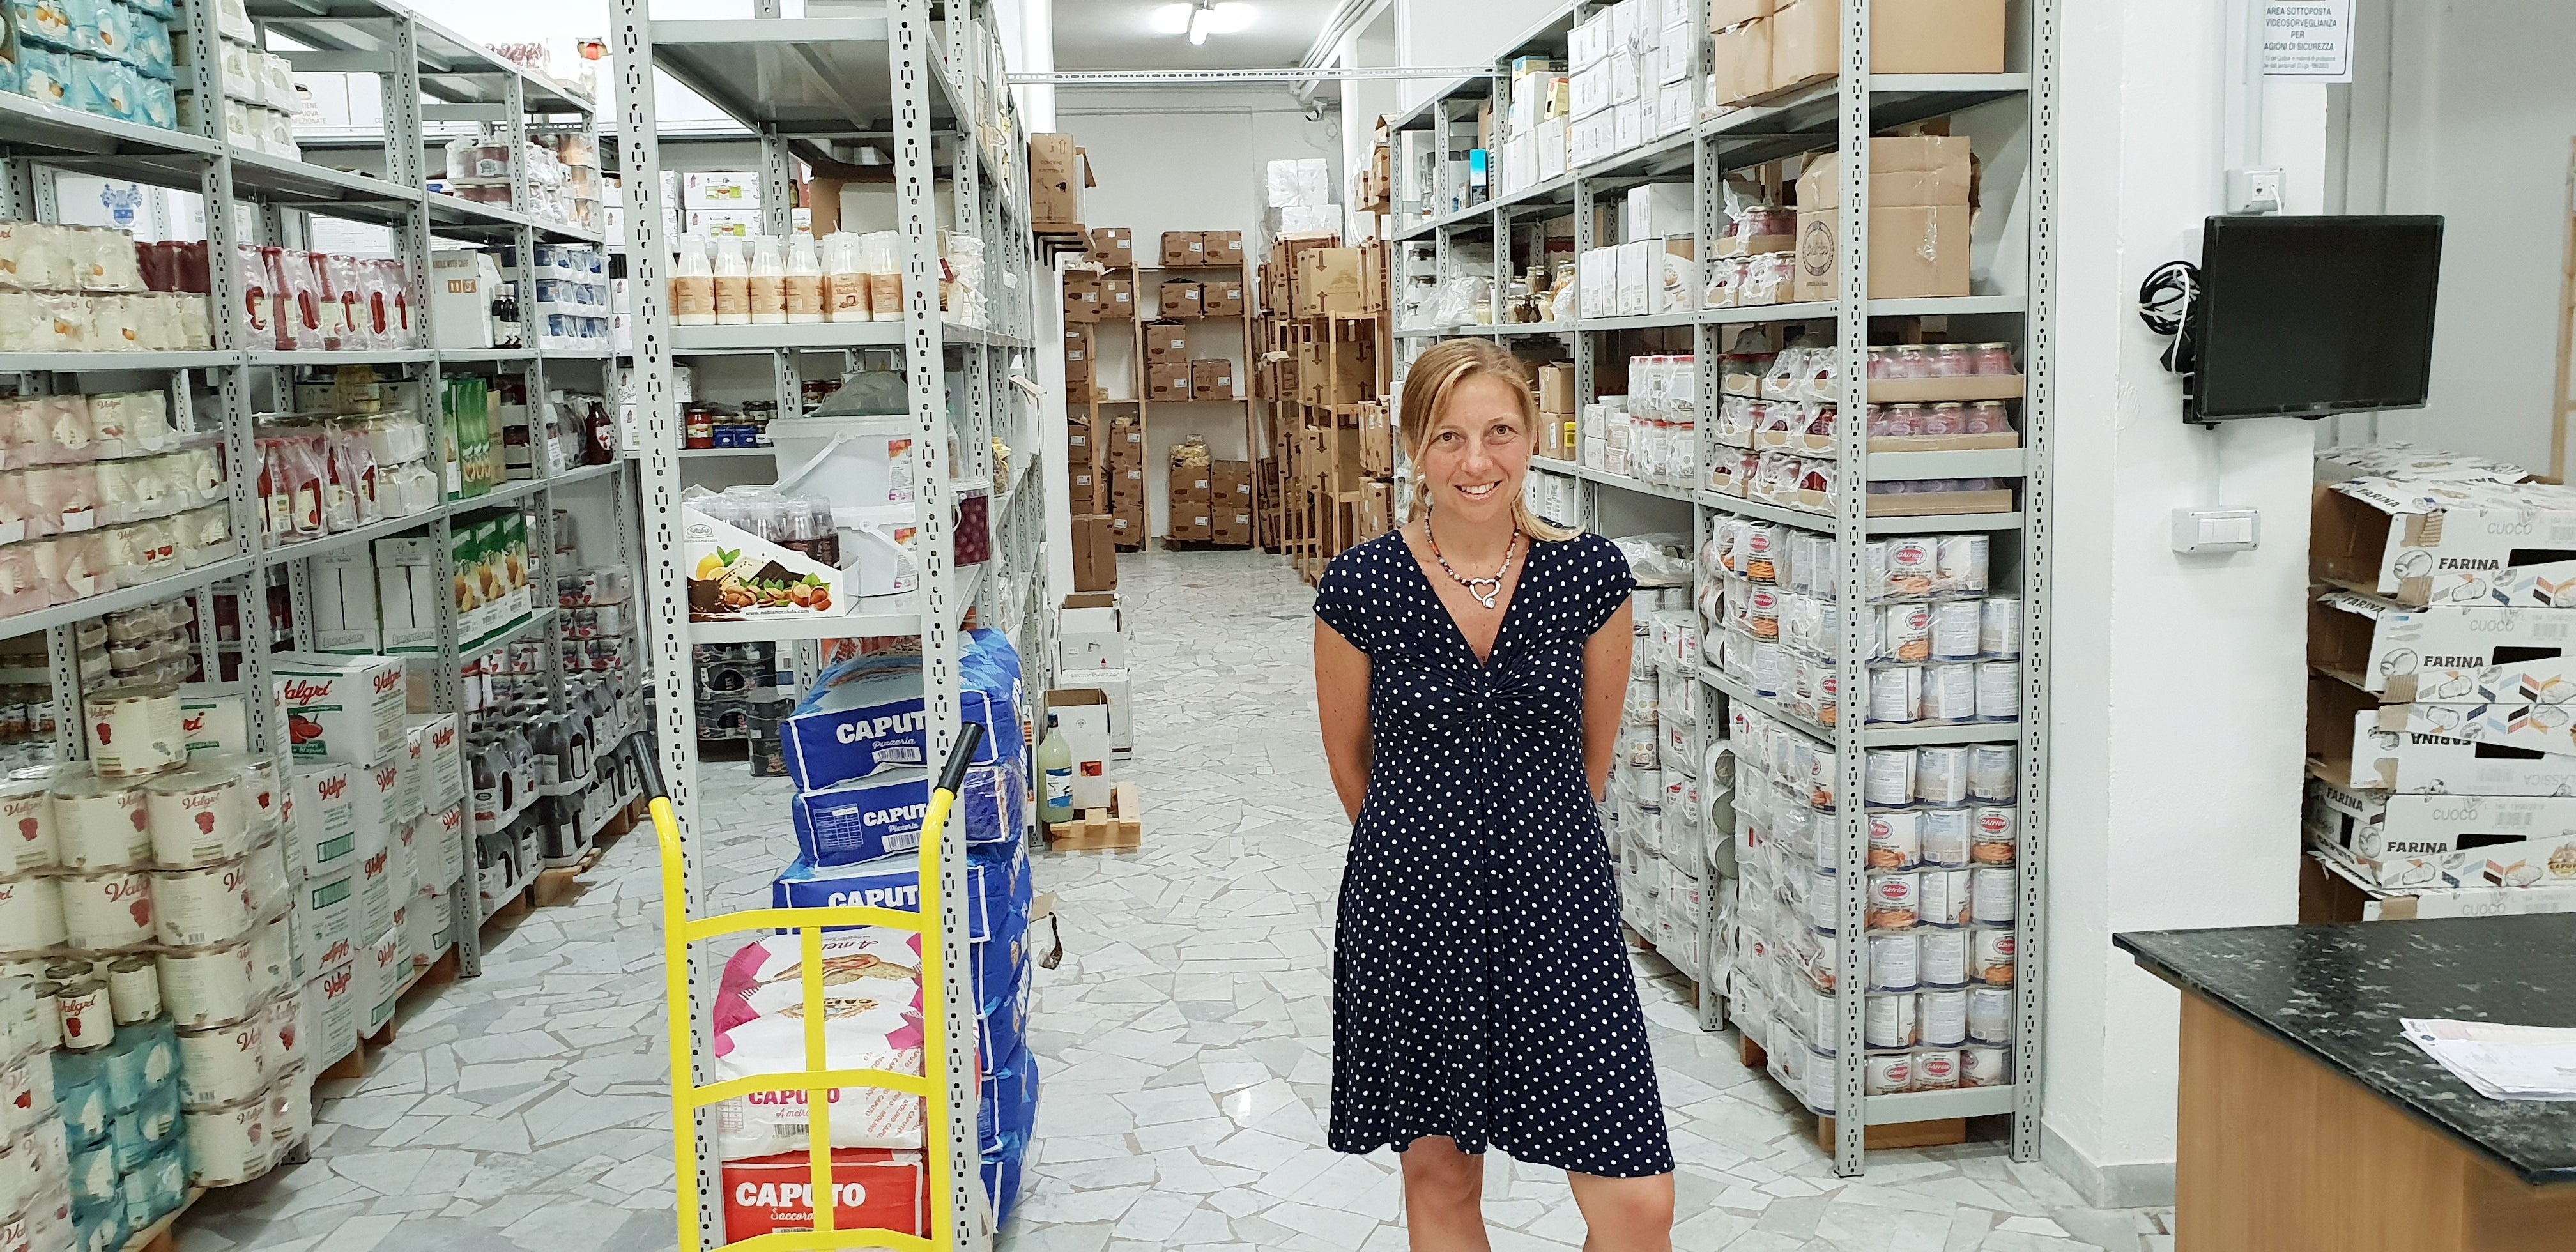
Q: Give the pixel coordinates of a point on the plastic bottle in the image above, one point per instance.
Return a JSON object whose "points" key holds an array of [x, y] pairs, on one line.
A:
{"points": [[1055, 766], [878, 255], [768, 283], [845, 280], [693, 284], [804, 280], [732, 282]]}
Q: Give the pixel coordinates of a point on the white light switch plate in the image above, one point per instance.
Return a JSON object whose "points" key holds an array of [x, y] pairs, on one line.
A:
{"points": [[2216, 530]]}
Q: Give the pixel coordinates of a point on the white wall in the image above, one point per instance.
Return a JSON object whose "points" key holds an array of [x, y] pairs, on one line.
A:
{"points": [[1188, 159], [2480, 112], [1459, 32], [2176, 718]]}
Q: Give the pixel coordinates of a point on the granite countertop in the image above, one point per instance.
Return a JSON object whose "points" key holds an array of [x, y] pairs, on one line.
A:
{"points": [[2337, 992]]}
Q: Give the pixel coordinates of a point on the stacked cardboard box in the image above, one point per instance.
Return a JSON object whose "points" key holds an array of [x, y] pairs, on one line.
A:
{"points": [[2438, 646], [1762, 48]]}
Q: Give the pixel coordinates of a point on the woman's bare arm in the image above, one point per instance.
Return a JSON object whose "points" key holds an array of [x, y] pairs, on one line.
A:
{"points": [[1342, 704], [1605, 689]]}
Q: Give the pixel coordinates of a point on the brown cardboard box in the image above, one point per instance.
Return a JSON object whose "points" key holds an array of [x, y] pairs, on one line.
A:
{"points": [[1183, 247], [1740, 62], [1084, 478], [1081, 296], [1113, 246], [1377, 510], [1375, 263], [1077, 354], [1095, 555], [1167, 342], [1377, 441], [1936, 36], [1178, 300], [1230, 485], [1806, 42], [1078, 374], [1167, 380], [1921, 191], [1328, 281], [1127, 527], [1230, 527], [1191, 518], [1212, 380], [1336, 372], [1556, 389], [1081, 447], [1058, 171], [1117, 298], [1725, 13], [1124, 445], [1221, 247], [1126, 485], [1222, 299]]}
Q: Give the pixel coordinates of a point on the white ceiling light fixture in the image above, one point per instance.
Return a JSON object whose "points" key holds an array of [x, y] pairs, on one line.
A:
{"points": [[1202, 19]]}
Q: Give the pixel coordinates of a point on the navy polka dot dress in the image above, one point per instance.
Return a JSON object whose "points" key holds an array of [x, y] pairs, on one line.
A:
{"points": [[1480, 987]]}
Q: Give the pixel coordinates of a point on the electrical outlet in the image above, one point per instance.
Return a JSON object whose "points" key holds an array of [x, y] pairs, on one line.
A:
{"points": [[2254, 191], [2198, 532]]}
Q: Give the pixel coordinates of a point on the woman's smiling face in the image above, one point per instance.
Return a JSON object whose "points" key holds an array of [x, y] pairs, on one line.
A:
{"points": [[1479, 452]]}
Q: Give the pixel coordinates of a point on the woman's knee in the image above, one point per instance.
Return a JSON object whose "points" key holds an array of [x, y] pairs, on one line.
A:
{"points": [[1434, 1168]]}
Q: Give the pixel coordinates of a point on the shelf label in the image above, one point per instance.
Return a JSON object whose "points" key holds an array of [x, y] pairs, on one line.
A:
{"points": [[2308, 40]]}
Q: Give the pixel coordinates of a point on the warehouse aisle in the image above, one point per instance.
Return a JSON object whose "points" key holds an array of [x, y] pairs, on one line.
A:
{"points": [[1186, 1039]]}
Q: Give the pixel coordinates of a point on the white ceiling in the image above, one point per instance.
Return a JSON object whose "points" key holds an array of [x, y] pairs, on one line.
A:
{"points": [[1115, 35]]}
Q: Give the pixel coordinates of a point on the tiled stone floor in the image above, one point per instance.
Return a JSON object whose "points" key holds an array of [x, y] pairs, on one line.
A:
{"points": [[1186, 1037]]}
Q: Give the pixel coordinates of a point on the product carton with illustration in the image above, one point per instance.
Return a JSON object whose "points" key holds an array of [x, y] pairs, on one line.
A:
{"points": [[735, 574], [2424, 543]]}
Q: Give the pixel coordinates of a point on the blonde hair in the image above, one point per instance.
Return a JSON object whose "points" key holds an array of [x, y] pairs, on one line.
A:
{"points": [[1434, 378]]}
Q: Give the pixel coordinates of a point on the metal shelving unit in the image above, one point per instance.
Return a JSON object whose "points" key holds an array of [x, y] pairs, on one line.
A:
{"points": [[919, 88], [413, 58], [1822, 116]]}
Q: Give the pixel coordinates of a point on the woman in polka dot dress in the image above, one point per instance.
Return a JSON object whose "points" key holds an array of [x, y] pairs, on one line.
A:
{"points": [[1469, 669]]}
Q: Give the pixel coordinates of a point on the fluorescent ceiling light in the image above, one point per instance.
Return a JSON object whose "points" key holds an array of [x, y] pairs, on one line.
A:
{"points": [[1202, 19]]}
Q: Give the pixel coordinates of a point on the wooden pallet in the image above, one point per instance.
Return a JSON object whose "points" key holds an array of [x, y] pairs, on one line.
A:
{"points": [[553, 885], [162, 1235], [1202, 545], [435, 974], [1118, 828], [1938, 1132]]}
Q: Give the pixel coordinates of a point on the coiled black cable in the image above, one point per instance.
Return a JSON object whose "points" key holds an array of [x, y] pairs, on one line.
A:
{"points": [[2164, 304]]}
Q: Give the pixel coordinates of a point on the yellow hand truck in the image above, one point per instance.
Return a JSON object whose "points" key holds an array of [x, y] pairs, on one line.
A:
{"points": [[818, 1080]]}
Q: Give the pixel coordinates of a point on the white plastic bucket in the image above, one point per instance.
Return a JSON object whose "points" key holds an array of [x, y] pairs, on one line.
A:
{"points": [[859, 462]]}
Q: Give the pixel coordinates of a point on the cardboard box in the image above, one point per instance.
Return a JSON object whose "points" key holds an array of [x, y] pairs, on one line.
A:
{"points": [[2442, 654], [1120, 691], [1126, 487], [1556, 389], [1113, 246], [1921, 193], [1168, 381], [2449, 543], [1125, 446], [1221, 247], [1377, 510], [1222, 299], [341, 708], [1806, 43], [1550, 144], [1327, 282], [1904, 170], [1081, 443], [2331, 893], [1230, 485], [1081, 296], [1232, 527], [1725, 13], [720, 190], [735, 574], [1117, 298], [1082, 715], [1127, 526], [1084, 478], [1095, 562], [2354, 742], [1183, 247], [1191, 517], [1058, 172], [2452, 841], [1211, 380], [345, 618], [1178, 300], [1936, 36], [1166, 342], [1377, 441]]}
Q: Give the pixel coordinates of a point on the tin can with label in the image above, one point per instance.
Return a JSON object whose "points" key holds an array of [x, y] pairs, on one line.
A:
{"points": [[1954, 630], [1889, 777], [81, 1009], [207, 986], [228, 1145], [223, 1064], [1904, 632], [27, 838], [1936, 1069], [1945, 837], [1896, 694], [284, 1021], [31, 913], [1941, 775], [1895, 840], [1945, 897], [264, 786], [1982, 1065], [1994, 895], [1999, 626], [195, 907], [94, 1179], [290, 1111], [1990, 1015], [266, 866], [134, 990], [1889, 1074], [112, 909], [1994, 834], [1964, 563], [1895, 901], [100, 822], [1895, 961], [1913, 566], [199, 816], [1945, 958], [1992, 773], [1990, 955], [1950, 692], [135, 730], [1945, 1018], [1998, 691], [272, 955], [1887, 1021]]}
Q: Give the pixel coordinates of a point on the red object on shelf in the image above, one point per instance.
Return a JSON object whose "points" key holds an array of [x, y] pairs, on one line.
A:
{"points": [[872, 1188]]}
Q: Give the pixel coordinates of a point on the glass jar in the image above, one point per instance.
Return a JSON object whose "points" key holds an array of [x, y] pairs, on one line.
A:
{"points": [[1991, 358], [1988, 417], [1945, 419], [699, 428], [1950, 360], [1906, 419], [1909, 361]]}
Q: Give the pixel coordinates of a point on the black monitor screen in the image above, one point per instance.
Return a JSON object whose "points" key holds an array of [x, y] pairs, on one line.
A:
{"points": [[2306, 316]]}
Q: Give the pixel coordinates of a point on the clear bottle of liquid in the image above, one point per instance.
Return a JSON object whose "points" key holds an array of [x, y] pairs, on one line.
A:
{"points": [[845, 279], [693, 284], [733, 282], [827, 534], [879, 255], [1055, 769], [768, 283], [804, 280]]}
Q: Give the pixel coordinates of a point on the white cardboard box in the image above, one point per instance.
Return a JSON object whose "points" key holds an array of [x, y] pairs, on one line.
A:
{"points": [[1628, 125], [1083, 716], [1550, 143], [323, 817], [382, 968], [1121, 691], [1588, 91], [1589, 139], [2380, 904], [2461, 543], [326, 912], [1624, 77], [331, 1008], [1588, 42], [411, 574], [1638, 270], [1658, 211], [2425, 755], [341, 708], [460, 299], [738, 189], [1674, 49], [2405, 654], [1091, 632], [344, 602]]}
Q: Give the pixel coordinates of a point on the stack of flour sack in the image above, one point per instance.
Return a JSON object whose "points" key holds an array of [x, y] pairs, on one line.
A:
{"points": [[856, 748]]}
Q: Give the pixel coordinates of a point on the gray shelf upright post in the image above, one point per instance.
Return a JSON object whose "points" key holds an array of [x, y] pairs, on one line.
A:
{"points": [[1852, 596], [664, 576], [2039, 351]]}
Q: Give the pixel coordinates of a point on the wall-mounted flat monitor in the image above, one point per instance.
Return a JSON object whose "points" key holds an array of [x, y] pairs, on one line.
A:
{"points": [[2313, 316]]}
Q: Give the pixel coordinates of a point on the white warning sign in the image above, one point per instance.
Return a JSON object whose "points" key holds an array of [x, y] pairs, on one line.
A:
{"points": [[2309, 40]]}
